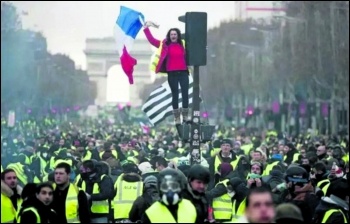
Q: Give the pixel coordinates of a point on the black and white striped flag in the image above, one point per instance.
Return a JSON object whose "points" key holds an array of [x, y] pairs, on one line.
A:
{"points": [[158, 105]]}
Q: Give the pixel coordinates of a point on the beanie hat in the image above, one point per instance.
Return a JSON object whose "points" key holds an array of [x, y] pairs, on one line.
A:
{"points": [[288, 211], [225, 168], [150, 181], [226, 141]]}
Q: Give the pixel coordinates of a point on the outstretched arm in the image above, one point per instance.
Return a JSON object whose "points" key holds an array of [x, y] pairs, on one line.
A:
{"points": [[155, 42]]}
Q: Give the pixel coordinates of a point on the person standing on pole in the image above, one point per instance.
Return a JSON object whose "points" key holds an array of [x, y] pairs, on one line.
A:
{"points": [[171, 59]]}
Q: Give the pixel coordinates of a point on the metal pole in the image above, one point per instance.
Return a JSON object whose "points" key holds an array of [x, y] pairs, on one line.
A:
{"points": [[195, 127]]}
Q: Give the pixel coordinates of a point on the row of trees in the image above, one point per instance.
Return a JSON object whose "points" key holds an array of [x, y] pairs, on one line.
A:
{"points": [[32, 79], [300, 57]]}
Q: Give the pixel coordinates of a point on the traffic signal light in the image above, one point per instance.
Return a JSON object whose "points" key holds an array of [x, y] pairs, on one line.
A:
{"points": [[195, 37]]}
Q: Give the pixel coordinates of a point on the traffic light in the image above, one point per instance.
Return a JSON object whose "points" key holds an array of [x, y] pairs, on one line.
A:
{"points": [[195, 37]]}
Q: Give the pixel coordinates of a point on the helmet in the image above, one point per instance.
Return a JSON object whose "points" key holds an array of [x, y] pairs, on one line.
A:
{"points": [[297, 174], [199, 172]]}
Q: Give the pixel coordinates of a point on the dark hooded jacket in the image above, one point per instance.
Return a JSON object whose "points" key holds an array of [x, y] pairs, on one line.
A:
{"points": [[149, 196], [328, 203], [46, 213]]}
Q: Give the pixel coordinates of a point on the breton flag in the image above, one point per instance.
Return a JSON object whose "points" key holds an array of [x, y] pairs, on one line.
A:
{"points": [[158, 105], [126, 29]]}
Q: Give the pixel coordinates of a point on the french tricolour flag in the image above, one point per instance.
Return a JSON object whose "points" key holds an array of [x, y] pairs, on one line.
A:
{"points": [[126, 29]]}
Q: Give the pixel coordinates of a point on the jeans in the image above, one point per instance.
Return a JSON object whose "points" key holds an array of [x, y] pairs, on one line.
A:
{"points": [[174, 79]]}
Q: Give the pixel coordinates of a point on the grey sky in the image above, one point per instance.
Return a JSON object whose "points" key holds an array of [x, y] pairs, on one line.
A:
{"points": [[66, 25]]}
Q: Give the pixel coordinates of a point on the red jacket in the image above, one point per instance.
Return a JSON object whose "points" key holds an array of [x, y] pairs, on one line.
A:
{"points": [[162, 64]]}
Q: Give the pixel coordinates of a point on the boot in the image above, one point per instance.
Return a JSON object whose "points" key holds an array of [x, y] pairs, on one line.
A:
{"points": [[184, 115], [177, 116]]}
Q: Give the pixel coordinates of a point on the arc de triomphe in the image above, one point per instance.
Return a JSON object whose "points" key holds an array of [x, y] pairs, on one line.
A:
{"points": [[101, 55]]}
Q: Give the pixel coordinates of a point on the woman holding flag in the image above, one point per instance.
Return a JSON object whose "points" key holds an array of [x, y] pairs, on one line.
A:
{"points": [[171, 59]]}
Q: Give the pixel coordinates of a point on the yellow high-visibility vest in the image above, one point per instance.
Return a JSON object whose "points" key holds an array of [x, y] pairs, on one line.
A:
{"points": [[295, 157], [98, 207], [114, 153], [233, 163], [72, 204], [330, 212], [127, 193], [30, 209], [159, 213], [324, 185], [269, 167], [8, 211], [237, 214], [222, 206]]}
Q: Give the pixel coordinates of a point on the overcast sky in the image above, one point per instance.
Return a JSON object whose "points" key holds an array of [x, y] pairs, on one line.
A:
{"points": [[66, 25]]}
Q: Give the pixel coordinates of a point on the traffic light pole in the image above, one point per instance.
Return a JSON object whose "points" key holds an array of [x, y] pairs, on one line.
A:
{"points": [[196, 117]]}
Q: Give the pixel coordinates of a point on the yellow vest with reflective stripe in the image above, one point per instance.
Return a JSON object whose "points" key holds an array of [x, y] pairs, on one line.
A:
{"points": [[269, 167], [214, 151], [295, 157], [42, 164], [181, 150], [218, 162], [156, 58], [159, 213], [27, 159], [32, 209], [222, 206], [8, 211], [236, 214], [72, 204], [114, 153], [330, 212], [98, 207], [87, 156], [127, 193], [324, 185]]}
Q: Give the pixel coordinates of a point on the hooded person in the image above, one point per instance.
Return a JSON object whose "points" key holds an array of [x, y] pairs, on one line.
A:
{"points": [[300, 191], [128, 188], [149, 195], [98, 188], [198, 180], [172, 206]]}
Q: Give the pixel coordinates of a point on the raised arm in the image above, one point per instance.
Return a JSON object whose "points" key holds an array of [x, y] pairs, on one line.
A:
{"points": [[155, 42]]}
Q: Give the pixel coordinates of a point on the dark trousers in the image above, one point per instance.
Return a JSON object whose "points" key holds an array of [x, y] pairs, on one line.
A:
{"points": [[174, 79]]}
